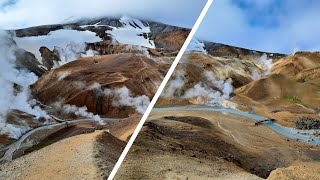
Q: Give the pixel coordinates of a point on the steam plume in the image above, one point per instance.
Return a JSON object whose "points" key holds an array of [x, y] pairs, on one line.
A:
{"points": [[212, 92], [78, 111], [176, 83], [265, 66], [123, 97], [14, 89]]}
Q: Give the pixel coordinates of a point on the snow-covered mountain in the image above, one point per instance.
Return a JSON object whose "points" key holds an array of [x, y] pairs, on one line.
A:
{"points": [[88, 68], [55, 45]]}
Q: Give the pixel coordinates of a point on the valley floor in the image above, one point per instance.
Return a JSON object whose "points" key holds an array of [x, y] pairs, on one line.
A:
{"points": [[214, 145]]}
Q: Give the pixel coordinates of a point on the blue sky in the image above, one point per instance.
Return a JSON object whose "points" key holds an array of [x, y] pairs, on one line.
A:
{"points": [[25, 13], [269, 25]]}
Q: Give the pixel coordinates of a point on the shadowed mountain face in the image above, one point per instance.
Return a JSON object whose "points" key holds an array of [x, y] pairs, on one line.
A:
{"points": [[217, 49]]}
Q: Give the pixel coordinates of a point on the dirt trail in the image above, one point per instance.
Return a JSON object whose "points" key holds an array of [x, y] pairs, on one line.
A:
{"points": [[71, 158], [84, 156]]}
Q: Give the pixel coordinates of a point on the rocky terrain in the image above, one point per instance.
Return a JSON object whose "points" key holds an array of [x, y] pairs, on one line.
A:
{"points": [[232, 113], [65, 81]]}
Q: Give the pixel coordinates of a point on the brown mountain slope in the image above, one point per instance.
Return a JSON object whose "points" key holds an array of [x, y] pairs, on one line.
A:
{"points": [[278, 86], [292, 90], [281, 98], [76, 82], [223, 67], [172, 40], [312, 75], [293, 64]]}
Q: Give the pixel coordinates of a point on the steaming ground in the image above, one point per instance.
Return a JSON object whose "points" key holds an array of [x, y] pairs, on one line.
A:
{"points": [[14, 88], [271, 88], [63, 82], [213, 87], [52, 46]]}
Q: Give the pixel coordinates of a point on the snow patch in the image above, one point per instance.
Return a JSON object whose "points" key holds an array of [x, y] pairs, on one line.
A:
{"points": [[94, 25], [70, 43], [132, 32], [196, 45]]}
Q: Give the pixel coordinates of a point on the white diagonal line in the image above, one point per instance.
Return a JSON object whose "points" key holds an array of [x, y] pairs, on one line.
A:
{"points": [[161, 87]]}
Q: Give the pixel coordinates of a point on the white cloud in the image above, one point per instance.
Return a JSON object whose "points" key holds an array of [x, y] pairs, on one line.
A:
{"points": [[27, 13], [270, 25]]}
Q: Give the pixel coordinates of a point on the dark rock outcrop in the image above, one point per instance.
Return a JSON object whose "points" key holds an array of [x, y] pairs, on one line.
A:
{"points": [[48, 57], [307, 123], [217, 49], [27, 60]]}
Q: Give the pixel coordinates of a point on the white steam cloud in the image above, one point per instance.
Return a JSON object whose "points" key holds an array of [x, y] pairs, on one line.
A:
{"points": [[225, 86], [70, 52], [141, 49], [265, 65], [176, 83], [123, 97], [78, 111], [90, 53], [208, 95], [14, 89]]}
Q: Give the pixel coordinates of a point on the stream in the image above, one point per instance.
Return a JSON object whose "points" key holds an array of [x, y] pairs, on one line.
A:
{"points": [[301, 135]]}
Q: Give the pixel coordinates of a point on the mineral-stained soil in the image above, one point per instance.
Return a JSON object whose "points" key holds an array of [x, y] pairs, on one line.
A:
{"points": [[71, 82]]}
